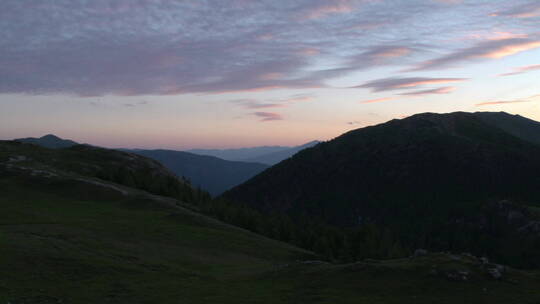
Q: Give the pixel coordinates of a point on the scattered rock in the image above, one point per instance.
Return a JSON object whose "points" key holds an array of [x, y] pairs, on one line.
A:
{"points": [[530, 227], [17, 158], [494, 273], [460, 275], [43, 173], [419, 253], [454, 257]]}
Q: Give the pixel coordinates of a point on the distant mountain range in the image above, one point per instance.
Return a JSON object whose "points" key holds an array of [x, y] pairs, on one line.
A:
{"points": [[210, 173], [432, 179], [240, 153], [269, 155], [49, 141], [278, 156]]}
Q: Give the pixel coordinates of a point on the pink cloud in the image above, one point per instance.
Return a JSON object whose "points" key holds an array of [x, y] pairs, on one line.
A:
{"points": [[443, 90], [529, 10], [377, 100], [254, 104], [393, 52], [379, 55], [523, 69], [300, 99], [275, 103], [502, 102], [309, 51], [246, 90], [499, 102], [325, 8], [489, 49], [264, 105], [268, 116], [271, 76], [511, 49]]}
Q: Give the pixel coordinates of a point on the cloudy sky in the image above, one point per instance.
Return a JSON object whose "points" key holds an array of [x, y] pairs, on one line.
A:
{"points": [[214, 73]]}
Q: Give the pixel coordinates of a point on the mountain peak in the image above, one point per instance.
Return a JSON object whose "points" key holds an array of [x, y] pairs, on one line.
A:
{"points": [[49, 141], [50, 136]]}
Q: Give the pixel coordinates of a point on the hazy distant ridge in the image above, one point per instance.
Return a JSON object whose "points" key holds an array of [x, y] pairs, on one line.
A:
{"points": [[269, 155]]}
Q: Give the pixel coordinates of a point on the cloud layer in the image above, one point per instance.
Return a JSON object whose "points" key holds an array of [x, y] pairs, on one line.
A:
{"points": [[165, 47]]}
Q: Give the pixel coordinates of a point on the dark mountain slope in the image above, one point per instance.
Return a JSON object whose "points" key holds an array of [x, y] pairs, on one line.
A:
{"points": [[49, 141], [428, 157], [416, 176], [516, 125], [275, 157], [209, 173]]}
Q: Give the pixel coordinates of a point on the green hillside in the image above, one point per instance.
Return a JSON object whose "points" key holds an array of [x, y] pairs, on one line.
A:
{"points": [[76, 238], [56, 249]]}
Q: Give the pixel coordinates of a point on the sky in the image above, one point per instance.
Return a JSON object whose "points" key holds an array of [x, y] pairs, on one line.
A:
{"points": [[241, 73]]}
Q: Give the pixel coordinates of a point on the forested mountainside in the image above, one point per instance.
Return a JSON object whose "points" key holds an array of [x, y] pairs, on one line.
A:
{"points": [[453, 181]]}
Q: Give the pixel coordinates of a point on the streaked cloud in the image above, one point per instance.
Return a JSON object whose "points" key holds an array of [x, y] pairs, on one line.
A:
{"points": [[377, 56], [377, 100], [527, 10], [500, 102], [521, 70], [268, 116], [389, 84], [319, 9], [449, 1], [256, 105], [443, 90], [250, 103], [299, 98], [504, 102], [490, 49]]}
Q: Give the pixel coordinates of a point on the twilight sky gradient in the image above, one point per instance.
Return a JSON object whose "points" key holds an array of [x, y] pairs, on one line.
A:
{"points": [[215, 74]]}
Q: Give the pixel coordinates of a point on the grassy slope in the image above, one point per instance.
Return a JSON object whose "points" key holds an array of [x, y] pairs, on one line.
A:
{"points": [[130, 251], [127, 250], [407, 281]]}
